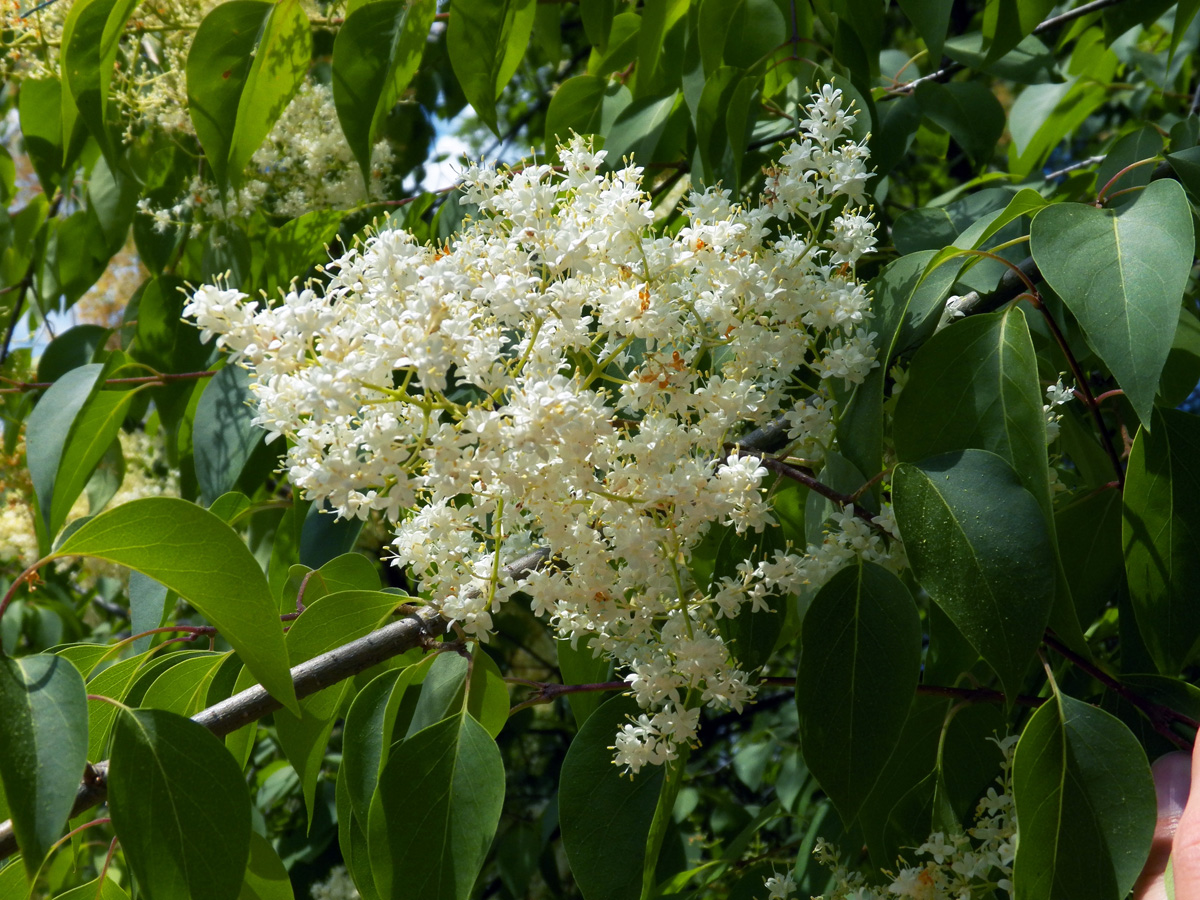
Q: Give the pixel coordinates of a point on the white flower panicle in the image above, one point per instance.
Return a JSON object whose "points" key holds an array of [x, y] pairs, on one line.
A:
{"points": [[559, 375]]}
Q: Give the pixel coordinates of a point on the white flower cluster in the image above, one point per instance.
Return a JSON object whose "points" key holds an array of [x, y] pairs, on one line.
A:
{"points": [[304, 164], [958, 866], [1056, 395], [337, 886], [561, 376]]}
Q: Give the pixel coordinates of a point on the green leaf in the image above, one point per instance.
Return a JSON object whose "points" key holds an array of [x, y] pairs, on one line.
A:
{"points": [[43, 748], [180, 806], [585, 104], [637, 129], [1006, 22], [578, 665], [367, 735], [266, 877], [969, 111], [486, 41], [296, 247], [90, 37], [1085, 801], [597, 16], [40, 103], [604, 814], [978, 543], [224, 434], [1089, 535], [1160, 532], [1122, 274], [198, 556], [860, 658], [94, 890], [183, 689], [48, 433], [931, 18], [218, 66], [14, 881], [280, 63], [375, 55], [487, 692], [975, 384], [444, 784]]}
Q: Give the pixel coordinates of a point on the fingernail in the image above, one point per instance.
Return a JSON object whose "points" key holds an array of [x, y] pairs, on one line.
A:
{"points": [[1172, 783]]}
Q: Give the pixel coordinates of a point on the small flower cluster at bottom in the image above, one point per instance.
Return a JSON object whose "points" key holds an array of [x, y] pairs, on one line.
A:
{"points": [[956, 867]]}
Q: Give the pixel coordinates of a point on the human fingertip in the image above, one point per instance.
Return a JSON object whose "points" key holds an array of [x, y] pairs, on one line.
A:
{"points": [[1172, 783]]}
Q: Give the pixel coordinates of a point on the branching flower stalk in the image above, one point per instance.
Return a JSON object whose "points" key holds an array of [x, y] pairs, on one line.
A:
{"points": [[560, 375]]}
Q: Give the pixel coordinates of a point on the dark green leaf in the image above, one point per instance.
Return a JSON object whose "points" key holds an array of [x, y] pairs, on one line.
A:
{"points": [[486, 41], [375, 55], [1085, 801], [578, 665], [969, 111], [367, 735], [604, 814], [218, 66], [978, 543], [182, 842], [444, 784], [860, 658], [1122, 274], [43, 748], [280, 63], [931, 18], [90, 35], [1006, 22], [1160, 534], [597, 16], [202, 559]]}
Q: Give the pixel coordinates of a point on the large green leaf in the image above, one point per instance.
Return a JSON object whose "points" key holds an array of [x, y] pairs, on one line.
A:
{"points": [[43, 748], [367, 735], [1160, 534], [486, 42], [979, 544], [91, 33], [444, 786], [218, 66], [1085, 802], [605, 815], [202, 559], [280, 63], [180, 807], [67, 434], [860, 658], [1122, 274], [375, 55]]}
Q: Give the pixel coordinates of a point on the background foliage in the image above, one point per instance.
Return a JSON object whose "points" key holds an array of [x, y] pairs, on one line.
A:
{"points": [[1037, 173]]}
